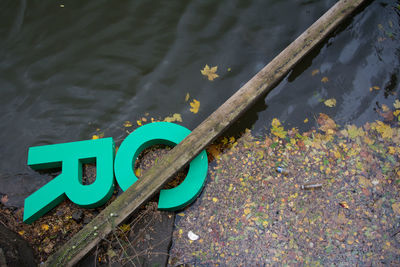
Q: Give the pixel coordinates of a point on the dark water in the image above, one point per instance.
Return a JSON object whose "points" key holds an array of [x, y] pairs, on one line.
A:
{"points": [[67, 71]]}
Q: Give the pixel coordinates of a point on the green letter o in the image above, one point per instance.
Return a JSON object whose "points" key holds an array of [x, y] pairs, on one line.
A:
{"points": [[168, 134]]}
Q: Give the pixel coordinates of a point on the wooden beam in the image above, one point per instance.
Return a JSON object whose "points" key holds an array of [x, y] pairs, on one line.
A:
{"points": [[154, 179]]}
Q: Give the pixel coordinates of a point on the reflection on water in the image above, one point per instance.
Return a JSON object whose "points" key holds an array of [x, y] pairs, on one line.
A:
{"points": [[67, 71]]}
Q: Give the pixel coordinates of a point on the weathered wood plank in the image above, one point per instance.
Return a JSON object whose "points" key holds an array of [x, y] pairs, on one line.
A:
{"points": [[206, 132]]}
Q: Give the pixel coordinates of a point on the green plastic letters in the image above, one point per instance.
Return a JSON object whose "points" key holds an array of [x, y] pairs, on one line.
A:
{"points": [[71, 156]]}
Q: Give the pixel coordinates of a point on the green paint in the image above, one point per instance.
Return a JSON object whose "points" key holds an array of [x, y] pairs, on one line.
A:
{"points": [[168, 134], [71, 156]]}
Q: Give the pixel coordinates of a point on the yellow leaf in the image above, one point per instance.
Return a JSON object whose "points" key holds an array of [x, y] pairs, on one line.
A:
{"points": [[396, 112], [337, 154], [181, 214], [277, 129], [324, 79], [396, 208], [396, 104], [305, 120], [229, 69], [385, 108], [173, 118], [230, 187], [95, 136], [246, 211], [368, 140], [385, 130], [44, 227], [138, 172], [125, 227], [275, 122], [330, 102], [376, 87], [392, 150], [195, 105], [231, 139], [127, 124], [210, 72], [315, 72], [214, 151], [215, 199], [187, 97], [353, 131], [344, 204], [139, 122], [21, 233]]}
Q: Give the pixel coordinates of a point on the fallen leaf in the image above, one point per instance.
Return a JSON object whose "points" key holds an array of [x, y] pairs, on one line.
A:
{"points": [[324, 79], [388, 115], [44, 227], [385, 108], [305, 120], [330, 102], [214, 151], [315, 72], [385, 130], [187, 97], [396, 104], [127, 124], [277, 129], [246, 211], [396, 208], [195, 105], [138, 172], [326, 123], [139, 122], [215, 199], [210, 72], [391, 150], [344, 204], [125, 227], [353, 131], [95, 136], [173, 118]]}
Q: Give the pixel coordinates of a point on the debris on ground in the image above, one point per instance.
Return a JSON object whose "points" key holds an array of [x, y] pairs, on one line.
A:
{"points": [[324, 197]]}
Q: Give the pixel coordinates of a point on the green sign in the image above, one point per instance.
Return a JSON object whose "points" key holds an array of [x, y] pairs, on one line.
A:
{"points": [[71, 156]]}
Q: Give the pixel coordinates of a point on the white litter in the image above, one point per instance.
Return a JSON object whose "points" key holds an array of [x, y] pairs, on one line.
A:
{"points": [[192, 236]]}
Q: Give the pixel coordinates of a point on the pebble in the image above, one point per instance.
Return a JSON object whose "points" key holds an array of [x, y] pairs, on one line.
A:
{"points": [[77, 216]]}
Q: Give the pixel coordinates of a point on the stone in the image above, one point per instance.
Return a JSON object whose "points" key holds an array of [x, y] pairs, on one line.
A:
{"points": [[77, 216]]}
